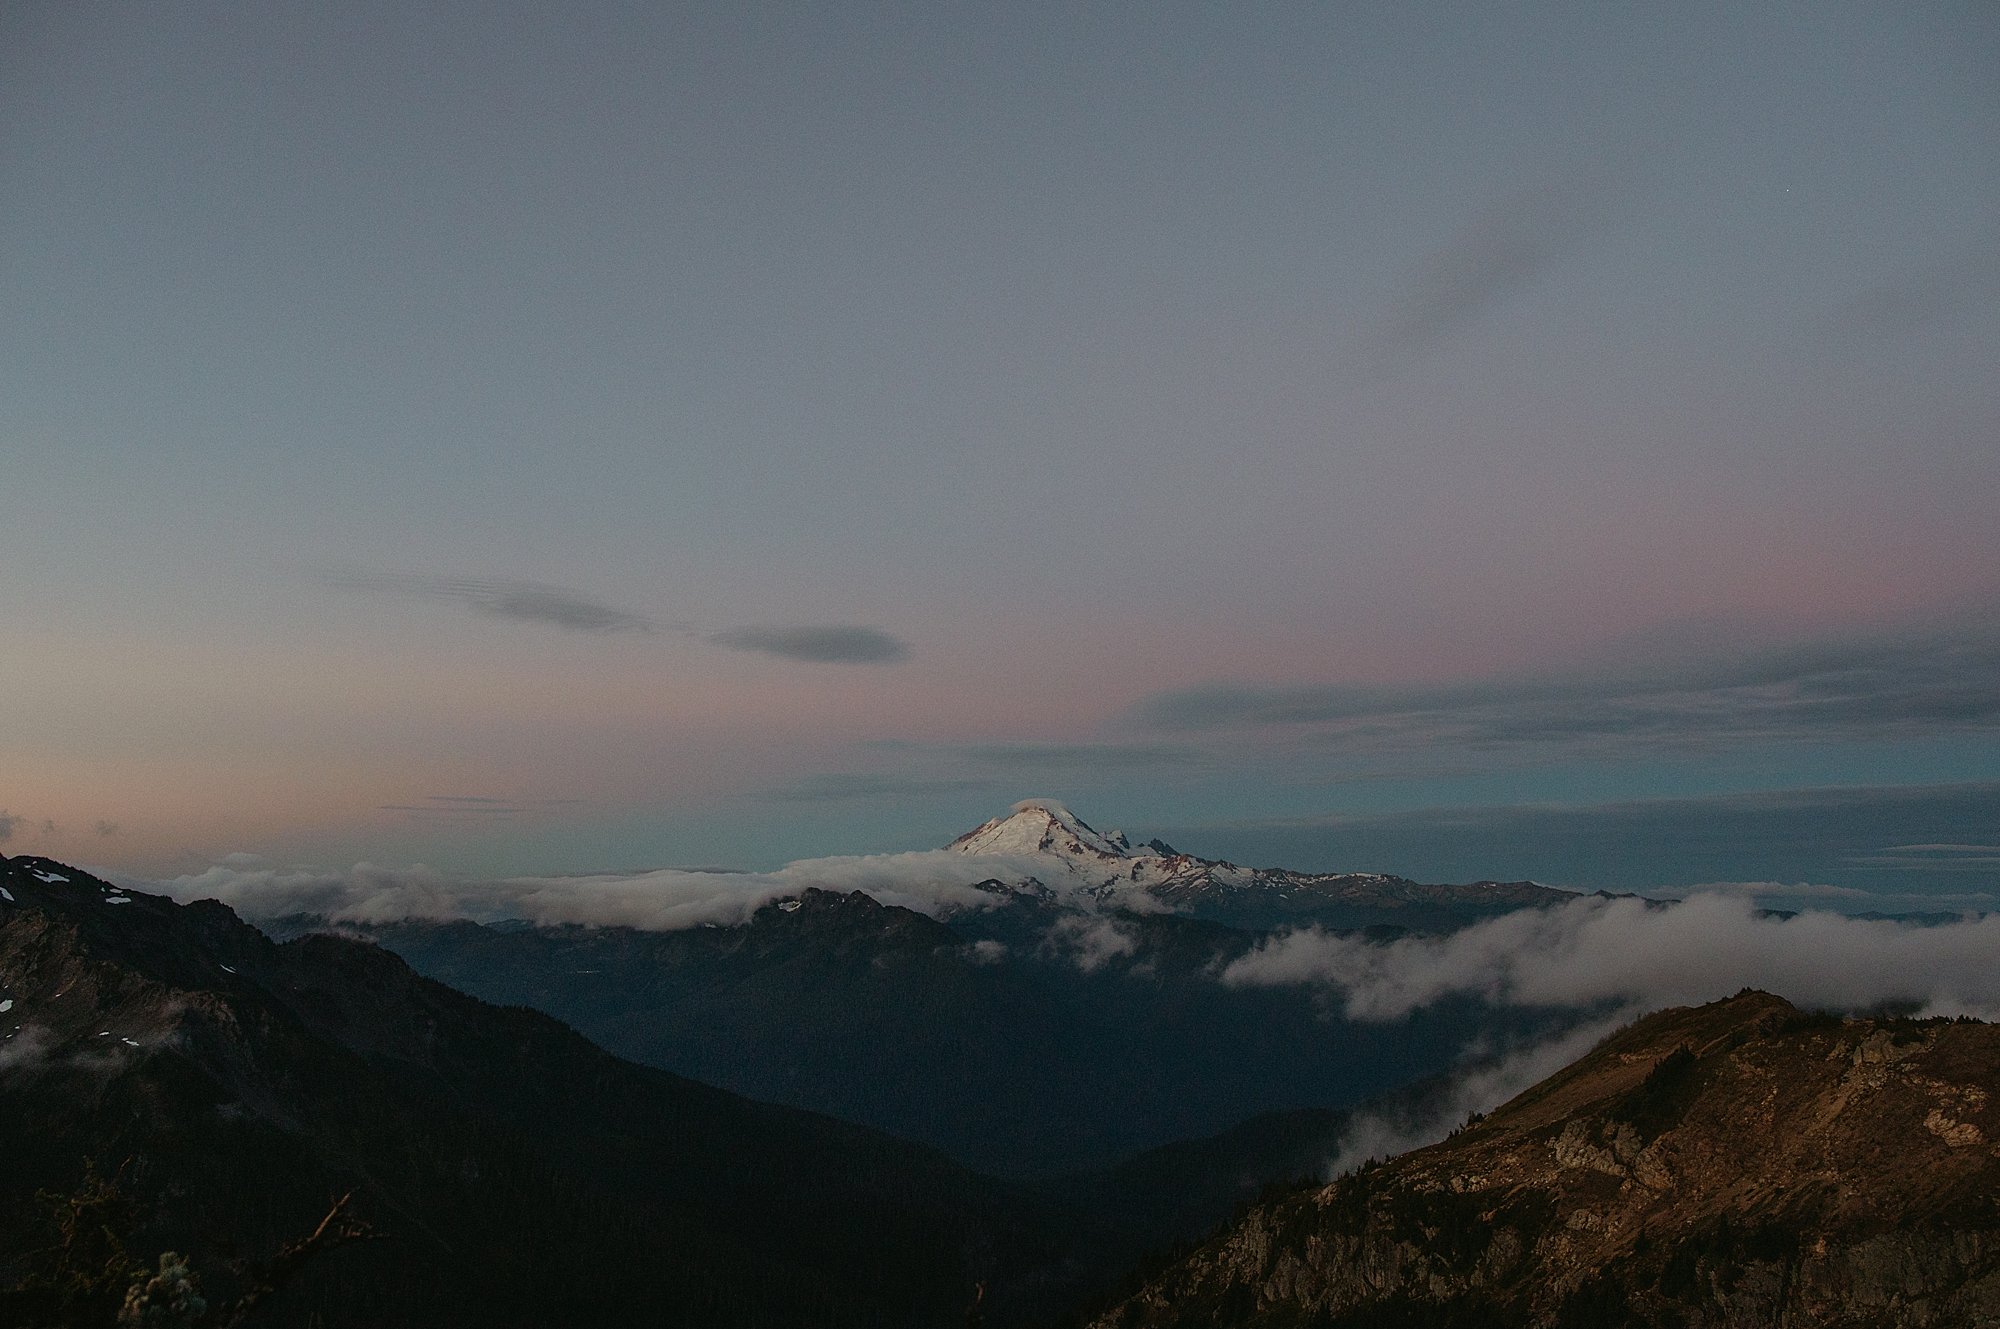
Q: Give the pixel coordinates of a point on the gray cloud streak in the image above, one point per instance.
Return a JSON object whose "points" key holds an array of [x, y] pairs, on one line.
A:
{"points": [[1794, 835], [522, 601], [1880, 688], [1502, 251], [573, 611], [825, 644], [845, 786]]}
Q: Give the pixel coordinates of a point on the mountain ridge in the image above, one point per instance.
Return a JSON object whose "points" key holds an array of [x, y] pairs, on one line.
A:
{"points": [[1741, 1163], [529, 1177]]}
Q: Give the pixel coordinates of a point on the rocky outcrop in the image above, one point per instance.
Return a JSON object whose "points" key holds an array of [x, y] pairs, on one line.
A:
{"points": [[1737, 1164]]}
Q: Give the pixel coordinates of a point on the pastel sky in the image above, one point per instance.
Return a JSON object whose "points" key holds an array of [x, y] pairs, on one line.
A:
{"points": [[531, 438]]}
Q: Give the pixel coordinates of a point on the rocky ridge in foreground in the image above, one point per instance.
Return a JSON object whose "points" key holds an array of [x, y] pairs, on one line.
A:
{"points": [[1741, 1163]]}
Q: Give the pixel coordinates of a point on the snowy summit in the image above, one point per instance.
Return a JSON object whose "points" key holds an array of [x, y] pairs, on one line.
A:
{"points": [[1037, 826]]}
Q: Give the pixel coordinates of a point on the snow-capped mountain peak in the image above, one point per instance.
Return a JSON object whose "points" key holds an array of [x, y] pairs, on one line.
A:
{"points": [[1042, 826], [1040, 847]]}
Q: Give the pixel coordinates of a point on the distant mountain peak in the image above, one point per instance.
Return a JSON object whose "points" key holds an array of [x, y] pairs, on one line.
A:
{"points": [[1043, 826], [1084, 866]]}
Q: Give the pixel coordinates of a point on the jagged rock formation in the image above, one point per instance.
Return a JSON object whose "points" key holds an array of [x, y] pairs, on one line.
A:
{"points": [[1737, 1164]]}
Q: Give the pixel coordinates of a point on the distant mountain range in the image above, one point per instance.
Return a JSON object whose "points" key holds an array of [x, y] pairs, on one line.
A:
{"points": [[1733, 1165], [173, 1079], [1069, 1019]]}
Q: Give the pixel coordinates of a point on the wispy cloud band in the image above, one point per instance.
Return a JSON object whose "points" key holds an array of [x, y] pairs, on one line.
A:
{"points": [[574, 611], [1885, 687], [823, 644]]}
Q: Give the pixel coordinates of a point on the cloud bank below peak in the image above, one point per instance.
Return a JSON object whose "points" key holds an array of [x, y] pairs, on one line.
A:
{"points": [[1594, 951], [934, 882]]}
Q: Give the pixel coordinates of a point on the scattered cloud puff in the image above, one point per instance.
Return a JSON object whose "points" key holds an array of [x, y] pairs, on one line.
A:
{"points": [[35, 1050], [933, 882], [829, 644], [522, 601], [987, 951], [27, 1050], [1594, 951], [9, 823], [1090, 941], [1481, 1087], [1920, 684]]}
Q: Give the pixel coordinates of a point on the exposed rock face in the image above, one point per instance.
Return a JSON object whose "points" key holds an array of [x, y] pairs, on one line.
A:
{"points": [[1741, 1163]]}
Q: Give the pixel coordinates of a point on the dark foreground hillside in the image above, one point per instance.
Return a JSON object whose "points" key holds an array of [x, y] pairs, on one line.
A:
{"points": [[514, 1173], [1737, 1164]]}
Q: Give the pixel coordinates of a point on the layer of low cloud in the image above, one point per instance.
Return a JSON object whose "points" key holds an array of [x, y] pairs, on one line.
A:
{"points": [[1882, 688], [1595, 952], [824, 644], [9, 823], [938, 883]]}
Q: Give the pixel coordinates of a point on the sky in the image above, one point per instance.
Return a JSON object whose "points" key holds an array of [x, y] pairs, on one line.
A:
{"points": [[1533, 440]]}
